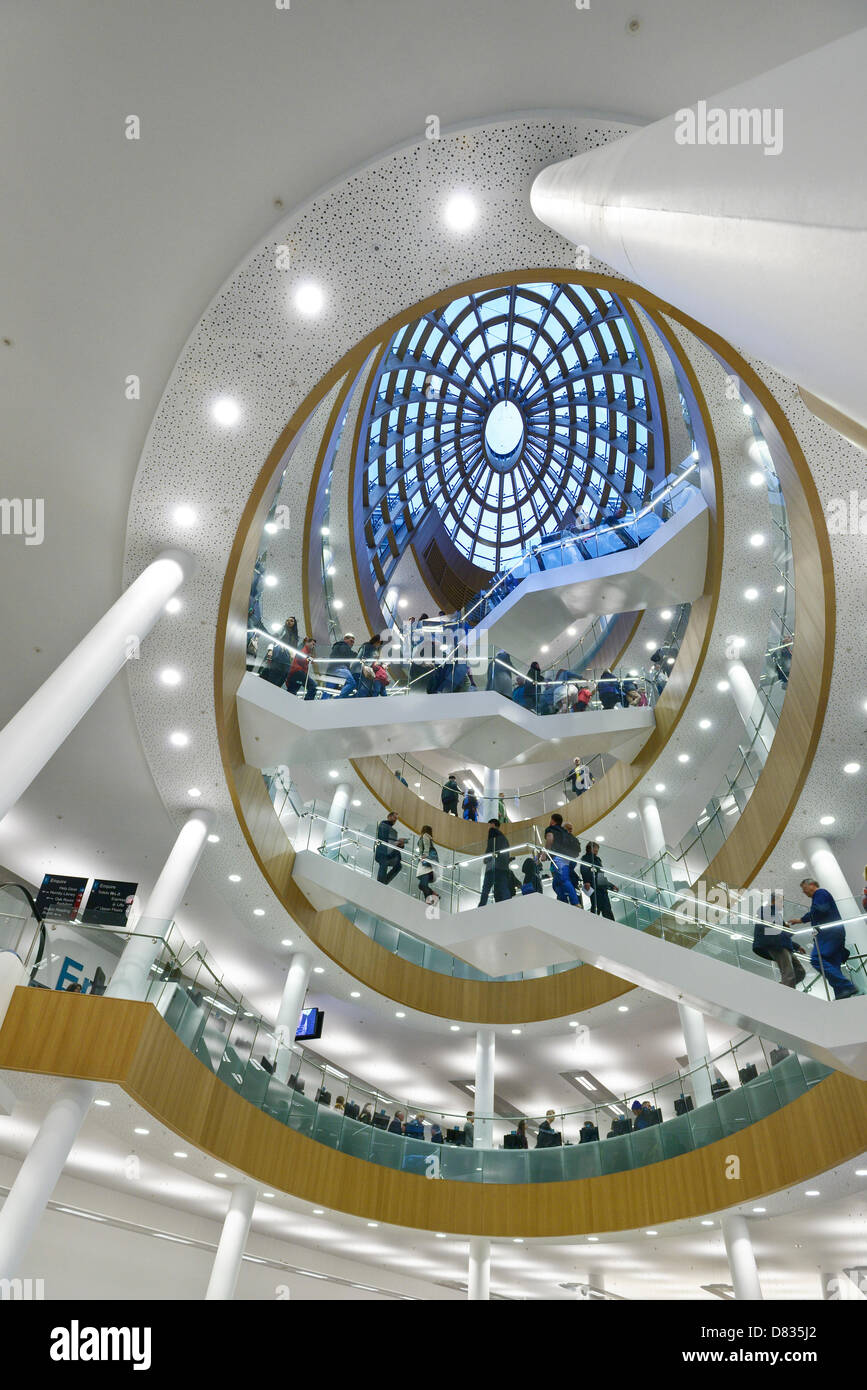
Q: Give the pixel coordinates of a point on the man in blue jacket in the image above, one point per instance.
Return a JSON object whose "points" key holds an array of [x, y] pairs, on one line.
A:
{"points": [[830, 940]]}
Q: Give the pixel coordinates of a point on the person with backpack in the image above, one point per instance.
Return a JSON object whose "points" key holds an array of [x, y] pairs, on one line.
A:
{"points": [[471, 805], [427, 859], [558, 843], [532, 873], [771, 942]]}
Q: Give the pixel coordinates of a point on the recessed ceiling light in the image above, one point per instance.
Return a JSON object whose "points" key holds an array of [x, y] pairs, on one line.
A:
{"points": [[861, 1172], [213, 839], [780, 589], [169, 676], [460, 212], [517, 1240], [757, 539], [271, 581], [704, 724], [319, 970], [179, 1153], [440, 1235], [544, 649], [271, 528], [332, 772], [356, 802], [651, 1233], [258, 912], [707, 1223], [594, 1240], [570, 631], [373, 1224], [324, 531], [234, 878], [332, 570], [399, 1013], [851, 768], [751, 594], [268, 1194], [659, 787], [756, 479], [623, 1008], [666, 615], [318, 1211], [683, 757], [226, 412], [309, 298], [722, 686], [194, 792], [826, 820], [219, 1175], [139, 1130], [184, 516], [338, 603], [355, 994], [631, 815], [516, 1032], [759, 1210], [813, 1192], [600, 839], [178, 739], [454, 1028], [174, 605], [573, 1023], [748, 410], [650, 646], [799, 864], [102, 1102]]}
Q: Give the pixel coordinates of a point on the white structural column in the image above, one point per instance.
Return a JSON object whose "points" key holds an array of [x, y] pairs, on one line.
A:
{"points": [[825, 869], [131, 974], [337, 816], [45, 1160], [744, 691], [697, 1050], [742, 1261], [233, 1238], [34, 734], [718, 208], [483, 1134], [39, 1172], [291, 1004], [490, 793], [479, 1278], [651, 824]]}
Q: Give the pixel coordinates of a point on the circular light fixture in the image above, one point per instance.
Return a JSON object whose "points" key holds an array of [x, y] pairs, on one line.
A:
{"points": [[169, 676], [570, 631], [332, 570], [258, 912], [179, 1153], [179, 739], [631, 815], [594, 1240], [440, 1235], [194, 792], [659, 787], [651, 1233], [234, 878], [332, 772], [544, 649], [373, 1224], [756, 479], [285, 941], [174, 605], [138, 1130], [226, 411], [517, 1240], [338, 604], [707, 1223], [356, 802], [813, 1192], [460, 212], [751, 594], [213, 839], [760, 1211], [722, 686], [516, 1032], [780, 589], [799, 864], [757, 539], [271, 581], [399, 1013], [704, 724], [319, 970], [650, 646], [105, 1103], [623, 1008], [355, 994], [573, 1023], [318, 1211], [666, 615], [271, 528], [309, 298], [748, 410], [683, 757], [184, 516], [454, 1028], [826, 820], [851, 768], [269, 1195], [600, 839]]}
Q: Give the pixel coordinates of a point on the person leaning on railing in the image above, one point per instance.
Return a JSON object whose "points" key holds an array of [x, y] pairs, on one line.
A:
{"points": [[299, 672]]}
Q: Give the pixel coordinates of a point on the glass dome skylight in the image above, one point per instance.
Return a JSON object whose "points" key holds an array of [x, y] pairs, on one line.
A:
{"points": [[513, 412]]}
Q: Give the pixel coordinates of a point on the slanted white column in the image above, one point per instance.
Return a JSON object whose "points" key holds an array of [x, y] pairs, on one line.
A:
{"points": [[717, 208], [483, 1131], [132, 972], [233, 1238], [651, 824], [291, 1004], [697, 1050], [479, 1279], [825, 869], [744, 691], [490, 793], [34, 734], [38, 1174], [336, 817], [742, 1261]]}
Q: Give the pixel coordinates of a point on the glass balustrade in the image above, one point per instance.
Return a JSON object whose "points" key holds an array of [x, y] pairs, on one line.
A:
{"points": [[674, 1114]]}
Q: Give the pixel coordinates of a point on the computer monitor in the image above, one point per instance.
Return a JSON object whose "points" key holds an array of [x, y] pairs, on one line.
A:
{"points": [[454, 1136], [549, 1139], [512, 1141]]}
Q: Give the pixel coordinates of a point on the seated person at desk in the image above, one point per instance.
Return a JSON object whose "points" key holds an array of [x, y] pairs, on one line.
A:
{"points": [[396, 1126], [588, 1133], [436, 1134], [340, 1103], [548, 1136], [644, 1114], [518, 1137], [621, 1124], [414, 1129], [366, 1116]]}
